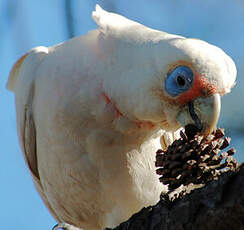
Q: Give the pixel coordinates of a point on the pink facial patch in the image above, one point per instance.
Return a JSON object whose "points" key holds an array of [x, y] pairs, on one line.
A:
{"points": [[200, 88]]}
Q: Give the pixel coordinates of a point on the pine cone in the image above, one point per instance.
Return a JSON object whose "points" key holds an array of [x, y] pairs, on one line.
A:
{"points": [[194, 159]]}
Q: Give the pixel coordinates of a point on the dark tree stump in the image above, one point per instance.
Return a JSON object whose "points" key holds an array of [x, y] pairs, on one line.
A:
{"points": [[217, 206]]}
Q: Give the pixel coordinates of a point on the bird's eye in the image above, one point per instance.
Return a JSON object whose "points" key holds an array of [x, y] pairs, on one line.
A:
{"points": [[179, 80]]}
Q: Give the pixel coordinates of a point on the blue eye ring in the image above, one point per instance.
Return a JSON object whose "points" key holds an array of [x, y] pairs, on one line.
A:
{"points": [[179, 80]]}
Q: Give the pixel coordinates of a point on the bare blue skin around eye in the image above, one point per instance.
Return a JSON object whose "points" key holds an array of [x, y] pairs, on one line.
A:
{"points": [[172, 87]]}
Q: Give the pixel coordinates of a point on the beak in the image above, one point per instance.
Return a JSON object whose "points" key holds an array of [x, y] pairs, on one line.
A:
{"points": [[202, 112]]}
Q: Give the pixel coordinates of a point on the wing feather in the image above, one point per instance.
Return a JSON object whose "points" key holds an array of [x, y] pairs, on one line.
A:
{"points": [[21, 81]]}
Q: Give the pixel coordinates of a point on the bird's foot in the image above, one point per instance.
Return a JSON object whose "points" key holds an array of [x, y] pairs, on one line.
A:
{"points": [[65, 226]]}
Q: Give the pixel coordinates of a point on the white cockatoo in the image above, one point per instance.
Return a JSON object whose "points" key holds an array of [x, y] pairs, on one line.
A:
{"points": [[92, 112]]}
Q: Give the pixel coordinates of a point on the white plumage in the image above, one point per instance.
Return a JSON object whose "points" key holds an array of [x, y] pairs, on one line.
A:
{"points": [[91, 111]]}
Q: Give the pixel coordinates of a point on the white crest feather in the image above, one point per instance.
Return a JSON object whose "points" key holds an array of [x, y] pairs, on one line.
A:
{"points": [[110, 21]]}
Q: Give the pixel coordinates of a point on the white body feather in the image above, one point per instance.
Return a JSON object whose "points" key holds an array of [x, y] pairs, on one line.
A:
{"points": [[94, 168]]}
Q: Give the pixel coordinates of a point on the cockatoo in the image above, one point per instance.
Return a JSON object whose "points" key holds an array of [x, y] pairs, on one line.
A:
{"points": [[92, 111]]}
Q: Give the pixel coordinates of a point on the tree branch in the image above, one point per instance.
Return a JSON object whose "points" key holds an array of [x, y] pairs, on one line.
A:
{"points": [[219, 205], [69, 18]]}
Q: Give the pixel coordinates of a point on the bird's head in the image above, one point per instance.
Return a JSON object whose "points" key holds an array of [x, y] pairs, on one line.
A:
{"points": [[196, 76], [165, 79]]}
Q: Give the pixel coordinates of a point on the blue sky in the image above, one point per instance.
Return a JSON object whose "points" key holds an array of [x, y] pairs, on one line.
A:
{"points": [[26, 23]]}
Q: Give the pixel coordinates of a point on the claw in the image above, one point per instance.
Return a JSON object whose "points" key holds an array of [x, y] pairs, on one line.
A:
{"points": [[65, 226], [168, 138]]}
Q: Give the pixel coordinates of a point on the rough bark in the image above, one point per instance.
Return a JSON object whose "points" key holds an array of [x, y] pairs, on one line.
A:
{"points": [[219, 205]]}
